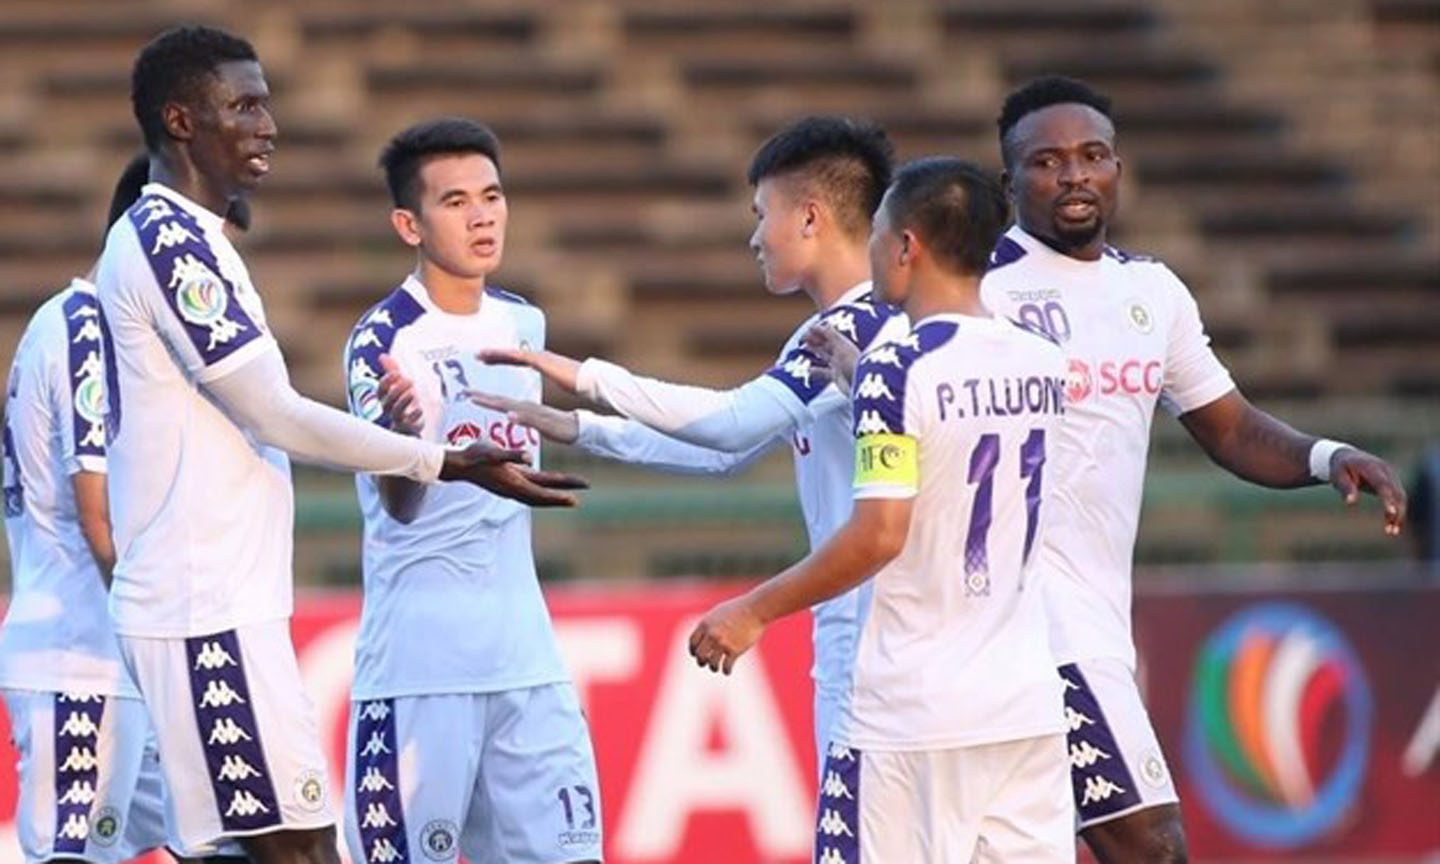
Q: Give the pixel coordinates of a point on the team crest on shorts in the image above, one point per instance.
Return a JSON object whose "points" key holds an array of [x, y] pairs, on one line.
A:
{"points": [[310, 791], [440, 839], [105, 826], [1140, 316], [1152, 769]]}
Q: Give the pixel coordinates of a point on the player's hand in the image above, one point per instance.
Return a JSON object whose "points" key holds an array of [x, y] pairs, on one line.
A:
{"points": [[399, 403], [561, 370], [838, 353], [556, 425], [726, 632], [1353, 471], [503, 472]]}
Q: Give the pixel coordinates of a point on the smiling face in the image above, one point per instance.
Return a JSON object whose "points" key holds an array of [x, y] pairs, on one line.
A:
{"points": [[1064, 177], [231, 130], [460, 222], [783, 231]]}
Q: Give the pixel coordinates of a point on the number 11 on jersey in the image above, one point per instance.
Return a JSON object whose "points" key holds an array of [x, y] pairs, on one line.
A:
{"points": [[983, 461]]}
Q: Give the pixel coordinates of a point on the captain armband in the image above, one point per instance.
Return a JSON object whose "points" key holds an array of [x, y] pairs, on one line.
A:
{"points": [[887, 461]]}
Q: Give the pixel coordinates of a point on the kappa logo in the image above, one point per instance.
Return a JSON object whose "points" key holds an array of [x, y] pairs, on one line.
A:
{"points": [[80, 698], [831, 855], [171, 234], [76, 827], [201, 299], [378, 711], [911, 341], [379, 317], [85, 312], [871, 424], [244, 803], [227, 732], [1070, 685], [218, 694], [91, 367], [1099, 789], [374, 781], [1086, 754], [799, 368], [80, 792], [366, 338], [78, 725], [79, 759], [375, 746], [835, 787], [832, 824], [382, 851], [885, 355], [153, 209], [377, 815], [213, 656], [1074, 719], [874, 387], [88, 332], [840, 753], [234, 768], [843, 322]]}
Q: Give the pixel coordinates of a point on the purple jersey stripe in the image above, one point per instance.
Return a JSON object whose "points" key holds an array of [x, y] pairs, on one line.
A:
{"points": [[225, 717], [1102, 783], [803, 373], [189, 278], [837, 824], [77, 768], [372, 337], [378, 811], [85, 338]]}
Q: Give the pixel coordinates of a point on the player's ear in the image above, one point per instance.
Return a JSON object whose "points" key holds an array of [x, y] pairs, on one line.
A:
{"points": [[407, 225], [909, 248], [177, 121], [811, 225]]}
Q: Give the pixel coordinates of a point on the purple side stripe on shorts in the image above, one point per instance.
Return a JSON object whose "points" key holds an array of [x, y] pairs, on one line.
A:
{"points": [[377, 784], [837, 825], [1102, 784], [77, 768], [229, 735]]}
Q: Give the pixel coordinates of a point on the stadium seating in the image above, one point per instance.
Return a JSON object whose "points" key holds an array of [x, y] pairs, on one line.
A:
{"points": [[1290, 184]]}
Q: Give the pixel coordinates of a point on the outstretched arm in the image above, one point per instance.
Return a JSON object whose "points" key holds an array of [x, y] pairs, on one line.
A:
{"points": [[872, 538], [1255, 446], [735, 420]]}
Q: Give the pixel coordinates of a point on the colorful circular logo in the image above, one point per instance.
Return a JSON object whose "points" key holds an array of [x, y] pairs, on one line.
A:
{"points": [[1278, 732], [365, 397], [202, 300], [90, 399], [1079, 383]]}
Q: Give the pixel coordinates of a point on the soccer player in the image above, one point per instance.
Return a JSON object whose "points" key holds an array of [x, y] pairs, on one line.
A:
{"points": [[201, 420], [949, 745], [817, 183], [469, 739]]}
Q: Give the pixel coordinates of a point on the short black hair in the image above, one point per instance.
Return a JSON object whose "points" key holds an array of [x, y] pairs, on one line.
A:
{"points": [[127, 188], [173, 67], [1042, 93], [406, 153], [845, 160], [956, 208]]}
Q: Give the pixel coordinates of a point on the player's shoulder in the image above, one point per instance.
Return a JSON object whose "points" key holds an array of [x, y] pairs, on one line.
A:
{"points": [[71, 314], [860, 320], [377, 327], [893, 360], [524, 311]]}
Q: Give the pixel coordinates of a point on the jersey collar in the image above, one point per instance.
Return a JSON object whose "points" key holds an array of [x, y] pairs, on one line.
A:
{"points": [[1035, 246], [212, 223]]}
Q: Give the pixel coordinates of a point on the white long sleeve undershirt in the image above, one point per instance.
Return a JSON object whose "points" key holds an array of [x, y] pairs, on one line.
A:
{"points": [[630, 441], [259, 397], [732, 421]]}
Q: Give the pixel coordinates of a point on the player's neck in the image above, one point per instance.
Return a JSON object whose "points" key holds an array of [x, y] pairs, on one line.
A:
{"points": [[1091, 250], [182, 176], [455, 295], [839, 270], [943, 294]]}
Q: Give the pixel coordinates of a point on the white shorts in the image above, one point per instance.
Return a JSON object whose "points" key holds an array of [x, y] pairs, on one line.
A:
{"points": [[89, 777], [503, 778], [239, 743], [1005, 802], [1116, 766]]}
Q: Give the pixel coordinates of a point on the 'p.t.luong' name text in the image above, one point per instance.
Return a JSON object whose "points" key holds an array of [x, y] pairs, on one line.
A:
{"points": [[1001, 397]]}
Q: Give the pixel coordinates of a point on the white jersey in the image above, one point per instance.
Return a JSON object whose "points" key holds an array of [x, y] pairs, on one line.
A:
{"points": [[203, 514], [452, 603], [57, 634], [1132, 335], [824, 452], [952, 648]]}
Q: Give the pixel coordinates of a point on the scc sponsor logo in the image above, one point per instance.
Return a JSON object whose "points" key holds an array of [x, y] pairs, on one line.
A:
{"points": [[501, 433], [1131, 377]]}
